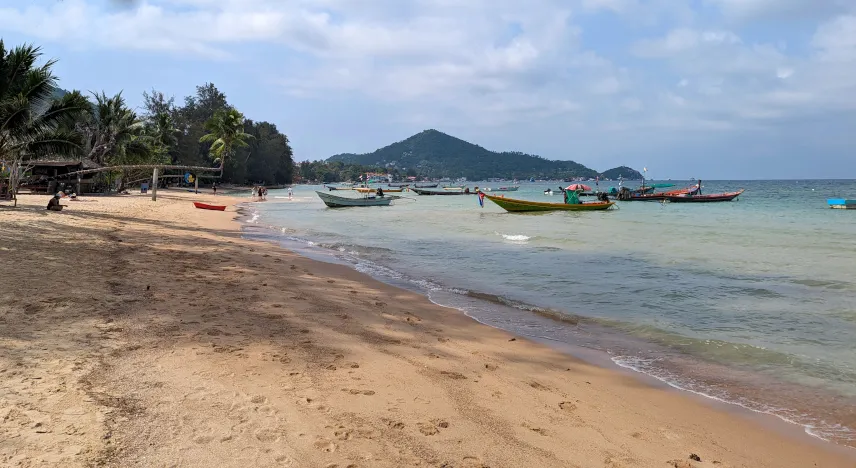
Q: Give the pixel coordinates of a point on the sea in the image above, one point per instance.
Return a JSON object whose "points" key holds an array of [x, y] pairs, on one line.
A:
{"points": [[751, 302]]}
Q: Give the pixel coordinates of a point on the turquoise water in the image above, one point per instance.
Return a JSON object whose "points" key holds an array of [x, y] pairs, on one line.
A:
{"points": [[751, 302]]}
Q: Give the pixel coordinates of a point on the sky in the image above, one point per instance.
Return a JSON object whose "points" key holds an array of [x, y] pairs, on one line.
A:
{"points": [[714, 89]]}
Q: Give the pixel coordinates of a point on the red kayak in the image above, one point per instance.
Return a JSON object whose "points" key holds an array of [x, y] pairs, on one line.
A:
{"points": [[206, 206]]}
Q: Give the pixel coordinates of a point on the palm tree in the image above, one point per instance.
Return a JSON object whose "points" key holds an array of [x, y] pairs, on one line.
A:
{"points": [[225, 133], [31, 120], [163, 133], [116, 135]]}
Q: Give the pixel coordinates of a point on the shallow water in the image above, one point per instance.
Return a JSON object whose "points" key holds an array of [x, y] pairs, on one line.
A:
{"points": [[751, 302]]}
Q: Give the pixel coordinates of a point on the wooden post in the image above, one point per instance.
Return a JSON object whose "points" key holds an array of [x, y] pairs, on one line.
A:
{"points": [[196, 184], [155, 185], [78, 185]]}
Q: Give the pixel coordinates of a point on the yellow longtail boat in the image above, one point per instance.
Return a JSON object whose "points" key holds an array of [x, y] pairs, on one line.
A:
{"points": [[514, 205]]}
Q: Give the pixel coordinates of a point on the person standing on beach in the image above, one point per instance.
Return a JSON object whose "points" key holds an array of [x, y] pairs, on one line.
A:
{"points": [[214, 187], [290, 193]]}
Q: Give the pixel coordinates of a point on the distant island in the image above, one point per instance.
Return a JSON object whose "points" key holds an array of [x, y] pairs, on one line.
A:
{"points": [[433, 154]]}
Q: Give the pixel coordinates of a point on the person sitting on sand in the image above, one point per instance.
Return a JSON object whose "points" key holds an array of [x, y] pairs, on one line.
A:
{"points": [[53, 204]]}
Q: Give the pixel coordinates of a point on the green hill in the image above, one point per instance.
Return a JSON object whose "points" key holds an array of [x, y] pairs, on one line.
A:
{"points": [[622, 171], [434, 154]]}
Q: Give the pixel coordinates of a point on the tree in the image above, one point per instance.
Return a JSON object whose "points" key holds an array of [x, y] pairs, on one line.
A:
{"points": [[31, 121], [116, 135], [162, 131], [225, 134]]}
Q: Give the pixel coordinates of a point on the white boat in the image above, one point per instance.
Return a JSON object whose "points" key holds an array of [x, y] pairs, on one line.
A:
{"points": [[336, 201]]}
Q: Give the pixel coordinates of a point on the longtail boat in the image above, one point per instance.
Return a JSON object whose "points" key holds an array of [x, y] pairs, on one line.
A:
{"points": [[426, 185], [369, 189], [336, 201], [440, 192], [512, 188], [659, 196], [514, 205], [206, 206], [714, 197], [841, 204]]}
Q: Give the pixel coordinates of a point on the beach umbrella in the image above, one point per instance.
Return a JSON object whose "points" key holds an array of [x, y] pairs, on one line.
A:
{"points": [[575, 187]]}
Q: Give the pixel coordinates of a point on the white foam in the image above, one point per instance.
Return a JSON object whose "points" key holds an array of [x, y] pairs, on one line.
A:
{"points": [[639, 364], [514, 237]]}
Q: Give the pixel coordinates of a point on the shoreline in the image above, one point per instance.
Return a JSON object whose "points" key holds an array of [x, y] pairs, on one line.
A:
{"points": [[307, 364], [598, 357], [594, 355]]}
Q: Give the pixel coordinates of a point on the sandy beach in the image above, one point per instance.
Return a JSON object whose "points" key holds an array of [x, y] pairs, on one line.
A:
{"points": [[140, 334]]}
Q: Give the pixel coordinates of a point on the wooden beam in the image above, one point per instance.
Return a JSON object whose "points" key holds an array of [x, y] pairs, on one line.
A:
{"points": [[155, 185]]}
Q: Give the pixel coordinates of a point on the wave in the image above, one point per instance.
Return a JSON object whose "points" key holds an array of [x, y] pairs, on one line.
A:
{"points": [[514, 237], [814, 427]]}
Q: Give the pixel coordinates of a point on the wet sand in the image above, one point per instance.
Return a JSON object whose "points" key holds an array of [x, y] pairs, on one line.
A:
{"points": [[135, 333]]}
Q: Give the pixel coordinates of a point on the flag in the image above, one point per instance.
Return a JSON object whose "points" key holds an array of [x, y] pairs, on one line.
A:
{"points": [[481, 199]]}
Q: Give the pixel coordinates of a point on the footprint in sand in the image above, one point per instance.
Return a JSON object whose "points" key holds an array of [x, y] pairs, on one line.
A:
{"points": [[395, 424], [490, 367], [325, 446], [354, 391], [203, 438], [454, 375], [428, 429], [538, 430], [538, 386], [440, 423], [473, 462], [433, 427], [567, 406]]}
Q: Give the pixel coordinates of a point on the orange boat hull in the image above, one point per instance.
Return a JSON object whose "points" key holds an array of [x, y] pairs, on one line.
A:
{"points": [[205, 206]]}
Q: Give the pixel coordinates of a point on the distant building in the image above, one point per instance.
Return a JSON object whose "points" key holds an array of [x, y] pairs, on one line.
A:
{"points": [[49, 176]]}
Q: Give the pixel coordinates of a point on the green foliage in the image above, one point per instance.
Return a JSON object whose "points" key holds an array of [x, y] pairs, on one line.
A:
{"points": [[249, 152], [40, 120], [115, 134], [433, 154], [225, 134], [32, 118]]}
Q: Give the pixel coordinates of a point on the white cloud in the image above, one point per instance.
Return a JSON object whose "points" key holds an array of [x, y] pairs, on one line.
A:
{"points": [[745, 10], [836, 39], [784, 73], [683, 40], [481, 62]]}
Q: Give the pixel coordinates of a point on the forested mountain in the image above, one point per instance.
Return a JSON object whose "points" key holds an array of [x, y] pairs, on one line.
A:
{"points": [[434, 154], [622, 171]]}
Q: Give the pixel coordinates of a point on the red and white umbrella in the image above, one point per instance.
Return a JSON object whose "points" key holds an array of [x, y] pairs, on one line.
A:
{"points": [[575, 187]]}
